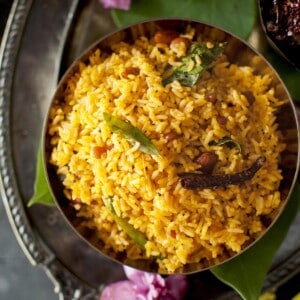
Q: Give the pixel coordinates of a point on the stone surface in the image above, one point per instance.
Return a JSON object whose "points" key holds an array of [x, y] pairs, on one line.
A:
{"points": [[18, 278]]}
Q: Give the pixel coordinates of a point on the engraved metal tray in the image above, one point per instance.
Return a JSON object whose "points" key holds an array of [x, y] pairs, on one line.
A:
{"points": [[41, 39]]}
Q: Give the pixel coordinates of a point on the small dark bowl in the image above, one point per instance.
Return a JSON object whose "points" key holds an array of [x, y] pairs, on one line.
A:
{"points": [[238, 52], [277, 19]]}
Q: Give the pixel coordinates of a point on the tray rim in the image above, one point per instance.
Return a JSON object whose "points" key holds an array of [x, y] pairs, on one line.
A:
{"points": [[66, 284]]}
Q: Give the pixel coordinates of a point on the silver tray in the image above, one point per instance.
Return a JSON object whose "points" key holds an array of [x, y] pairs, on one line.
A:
{"points": [[40, 41]]}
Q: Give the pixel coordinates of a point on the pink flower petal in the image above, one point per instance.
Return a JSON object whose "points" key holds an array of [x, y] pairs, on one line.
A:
{"points": [[146, 286], [119, 4], [134, 275], [177, 286], [119, 290]]}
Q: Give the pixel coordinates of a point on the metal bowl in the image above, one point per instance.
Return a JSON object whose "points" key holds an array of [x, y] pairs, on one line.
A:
{"points": [[238, 52]]}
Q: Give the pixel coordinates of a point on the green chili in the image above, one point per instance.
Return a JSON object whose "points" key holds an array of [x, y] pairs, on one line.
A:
{"points": [[133, 233], [131, 133]]}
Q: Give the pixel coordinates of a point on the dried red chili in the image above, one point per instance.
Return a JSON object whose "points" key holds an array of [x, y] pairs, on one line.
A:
{"points": [[192, 181]]}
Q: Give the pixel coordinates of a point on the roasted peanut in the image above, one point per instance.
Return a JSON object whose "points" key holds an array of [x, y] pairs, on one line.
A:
{"points": [[165, 36], [207, 161]]}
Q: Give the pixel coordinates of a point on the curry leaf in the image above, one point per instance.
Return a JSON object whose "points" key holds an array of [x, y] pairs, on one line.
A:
{"points": [[42, 194], [133, 233], [246, 273], [198, 59], [226, 140], [235, 15], [131, 133]]}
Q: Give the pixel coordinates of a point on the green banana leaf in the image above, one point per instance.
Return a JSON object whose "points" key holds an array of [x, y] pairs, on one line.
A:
{"points": [[235, 15], [42, 193]]}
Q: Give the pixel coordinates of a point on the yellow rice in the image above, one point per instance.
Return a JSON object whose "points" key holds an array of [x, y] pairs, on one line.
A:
{"points": [[181, 226]]}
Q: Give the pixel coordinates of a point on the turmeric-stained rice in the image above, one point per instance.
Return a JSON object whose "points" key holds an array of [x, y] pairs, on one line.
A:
{"points": [[180, 226]]}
